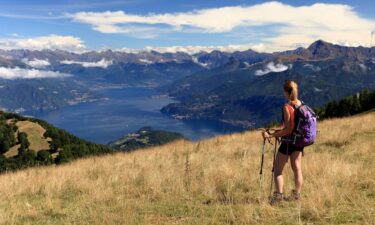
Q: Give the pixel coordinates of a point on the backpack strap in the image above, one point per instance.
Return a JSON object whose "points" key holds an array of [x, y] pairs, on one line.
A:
{"points": [[292, 110], [296, 107]]}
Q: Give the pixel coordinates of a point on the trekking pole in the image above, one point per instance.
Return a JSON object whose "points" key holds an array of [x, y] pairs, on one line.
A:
{"points": [[261, 164], [262, 160], [273, 166]]}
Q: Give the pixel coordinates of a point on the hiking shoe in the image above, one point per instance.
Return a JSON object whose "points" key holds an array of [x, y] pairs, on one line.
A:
{"points": [[294, 196], [276, 198]]}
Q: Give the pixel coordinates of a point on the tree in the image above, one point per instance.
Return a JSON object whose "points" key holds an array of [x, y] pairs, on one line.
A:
{"points": [[27, 158], [7, 138], [24, 143], [44, 156], [64, 156], [356, 107]]}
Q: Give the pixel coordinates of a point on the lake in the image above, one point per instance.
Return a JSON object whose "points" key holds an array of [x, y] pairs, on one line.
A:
{"points": [[127, 110]]}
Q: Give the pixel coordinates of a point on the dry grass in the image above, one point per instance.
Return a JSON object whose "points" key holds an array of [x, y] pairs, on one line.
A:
{"points": [[35, 136], [214, 181]]}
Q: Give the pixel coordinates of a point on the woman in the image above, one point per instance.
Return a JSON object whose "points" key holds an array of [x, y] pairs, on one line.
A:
{"points": [[287, 150]]}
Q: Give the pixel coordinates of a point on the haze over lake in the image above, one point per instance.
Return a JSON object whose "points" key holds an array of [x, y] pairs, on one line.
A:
{"points": [[127, 110]]}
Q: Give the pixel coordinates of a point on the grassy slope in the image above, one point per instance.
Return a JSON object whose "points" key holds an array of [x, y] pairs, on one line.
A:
{"points": [[214, 181], [35, 136]]}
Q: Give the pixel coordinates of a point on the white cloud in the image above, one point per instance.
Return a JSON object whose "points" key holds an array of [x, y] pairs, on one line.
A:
{"points": [[312, 67], [294, 26], [68, 43], [363, 67], [134, 31], [37, 63], [146, 61], [317, 89], [272, 67], [195, 60], [19, 73], [103, 63], [247, 64]]}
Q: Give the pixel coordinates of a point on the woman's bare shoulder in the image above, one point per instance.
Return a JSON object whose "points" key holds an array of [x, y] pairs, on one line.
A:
{"points": [[286, 108]]}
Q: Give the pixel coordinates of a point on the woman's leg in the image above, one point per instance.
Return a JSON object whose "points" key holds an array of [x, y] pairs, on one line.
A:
{"points": [[280, 161], [295, 162]]}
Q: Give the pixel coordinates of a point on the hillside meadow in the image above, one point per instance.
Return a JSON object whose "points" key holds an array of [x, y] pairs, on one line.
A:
{"points": [[214, 181], [35, 136]]}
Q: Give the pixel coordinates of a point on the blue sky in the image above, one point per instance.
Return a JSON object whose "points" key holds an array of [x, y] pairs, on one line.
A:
{"points": [[236, 24]]}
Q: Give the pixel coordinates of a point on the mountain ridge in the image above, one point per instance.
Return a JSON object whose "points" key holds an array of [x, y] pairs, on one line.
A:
{"points": [[324, 71], [27, 142], [200, 77]]}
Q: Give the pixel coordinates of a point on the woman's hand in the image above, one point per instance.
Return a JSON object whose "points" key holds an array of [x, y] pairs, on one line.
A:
{"points": [[266, 135]]}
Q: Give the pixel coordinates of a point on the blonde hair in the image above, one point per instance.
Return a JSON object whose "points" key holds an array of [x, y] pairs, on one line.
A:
{"points": [[291, 87]]}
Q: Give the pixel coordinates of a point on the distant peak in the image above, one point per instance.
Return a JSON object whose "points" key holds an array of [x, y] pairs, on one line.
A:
{"points": [[321, 49], [318, 44]]}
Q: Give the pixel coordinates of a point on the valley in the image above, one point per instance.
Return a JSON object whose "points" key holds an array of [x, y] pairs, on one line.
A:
{"points": [[98, 95]]}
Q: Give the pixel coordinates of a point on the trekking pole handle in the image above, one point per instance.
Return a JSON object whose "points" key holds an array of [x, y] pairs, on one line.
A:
{"points": [[269, 130]]}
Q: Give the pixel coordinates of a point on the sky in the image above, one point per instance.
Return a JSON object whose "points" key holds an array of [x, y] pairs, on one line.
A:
{"points": [[180, 25]]}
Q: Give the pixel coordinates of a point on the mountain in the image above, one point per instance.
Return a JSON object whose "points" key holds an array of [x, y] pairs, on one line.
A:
{"points": [[109, 66], [214, 181], [217, 58], [131, 68], [26, 142], [251, 96], [22, 95], [143, 138], [9, 62], [210, 85], [320, 50], [86, 72]]}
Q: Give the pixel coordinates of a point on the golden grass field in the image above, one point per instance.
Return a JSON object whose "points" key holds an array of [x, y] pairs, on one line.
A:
{"points": [[214, 181]]}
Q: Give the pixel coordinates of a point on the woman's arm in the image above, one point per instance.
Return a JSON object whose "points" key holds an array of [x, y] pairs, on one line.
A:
{"points": [[288, 126]]}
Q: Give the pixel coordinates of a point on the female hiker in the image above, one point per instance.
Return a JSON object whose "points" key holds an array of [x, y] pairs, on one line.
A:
{"points": [[287, 150]]}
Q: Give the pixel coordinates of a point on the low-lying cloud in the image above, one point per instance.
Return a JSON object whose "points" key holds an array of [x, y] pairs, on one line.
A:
{"points": [[146, 61], [102, 63], [37, 63], [195, 60], [20, 73], [271, 67], [312, 67], [53, 42]]}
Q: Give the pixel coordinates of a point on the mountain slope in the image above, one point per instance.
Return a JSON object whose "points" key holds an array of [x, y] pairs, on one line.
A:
{"points": [[26, 142], [35, 135], [215, 181], [235, 93], [96, 69], [43, 94], [142, 68]]}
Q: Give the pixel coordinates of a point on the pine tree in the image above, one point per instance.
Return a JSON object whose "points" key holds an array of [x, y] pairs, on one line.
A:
{"points": [[24, 143]]}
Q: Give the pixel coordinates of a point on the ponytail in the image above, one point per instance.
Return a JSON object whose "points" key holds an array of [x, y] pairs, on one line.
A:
{"points": [[291, 88]]}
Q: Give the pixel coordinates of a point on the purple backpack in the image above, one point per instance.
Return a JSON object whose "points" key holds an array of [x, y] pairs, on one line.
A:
{"points": [[304, 132]]}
